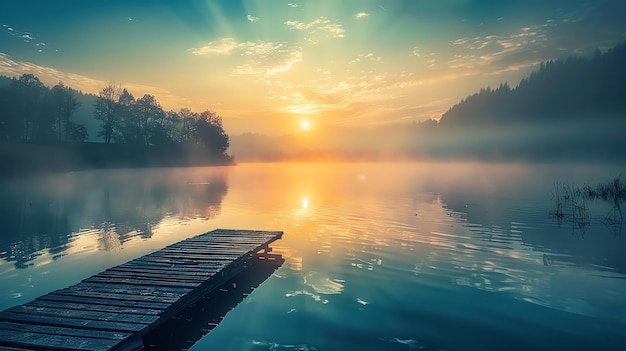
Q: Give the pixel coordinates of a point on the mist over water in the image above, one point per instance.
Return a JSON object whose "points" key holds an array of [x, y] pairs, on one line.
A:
{"points": [[393, 256]]}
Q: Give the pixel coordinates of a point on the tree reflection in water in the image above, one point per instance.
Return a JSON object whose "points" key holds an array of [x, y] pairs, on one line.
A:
{"points": [[51, 212]]}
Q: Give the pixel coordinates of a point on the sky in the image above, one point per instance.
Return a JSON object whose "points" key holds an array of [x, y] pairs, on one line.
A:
{"points": [[276, 67]]}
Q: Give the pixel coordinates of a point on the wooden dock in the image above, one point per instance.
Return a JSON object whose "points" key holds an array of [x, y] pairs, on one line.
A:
{"points": [[114, 309]]}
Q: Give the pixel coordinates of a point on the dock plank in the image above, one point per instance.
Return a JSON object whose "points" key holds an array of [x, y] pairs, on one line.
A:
{"points": [[122, 297], [94, 307], [31, 340], [44, 329], [81, 314], [141, 282], [71, 322], [210, 269], [148, 276], [119, 289], [99, 301], [114, 309]]}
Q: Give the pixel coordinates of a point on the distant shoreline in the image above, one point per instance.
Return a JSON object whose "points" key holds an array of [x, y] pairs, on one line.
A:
{"points": [[19, 159]]}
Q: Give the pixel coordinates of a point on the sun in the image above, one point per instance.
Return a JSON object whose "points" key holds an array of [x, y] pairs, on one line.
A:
{"points": [[305, 125]]}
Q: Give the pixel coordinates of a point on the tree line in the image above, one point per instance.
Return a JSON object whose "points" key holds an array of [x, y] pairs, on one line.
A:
{"points": [[32, 112], [125, 119], [576, 87]]}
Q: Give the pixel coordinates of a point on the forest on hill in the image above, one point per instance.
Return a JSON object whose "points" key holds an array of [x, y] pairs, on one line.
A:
{"points": [[560, 90], [569, 109]]}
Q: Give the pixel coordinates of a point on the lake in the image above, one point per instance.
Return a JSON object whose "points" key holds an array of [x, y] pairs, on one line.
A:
{"points": [[383, 256]]}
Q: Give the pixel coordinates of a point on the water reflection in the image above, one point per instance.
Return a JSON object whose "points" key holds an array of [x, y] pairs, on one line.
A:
{"points": [[390, 255], [393, 252], [51, 212]]}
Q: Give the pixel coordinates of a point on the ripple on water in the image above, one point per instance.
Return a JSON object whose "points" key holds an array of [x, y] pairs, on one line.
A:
{"points": [[272, 346], [322, 284]]}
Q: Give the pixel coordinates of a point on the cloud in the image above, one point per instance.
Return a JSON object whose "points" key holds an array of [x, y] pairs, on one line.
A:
{"points": [[268, 65], [320, 25], [317, 97], [223, 46], [26, 37], [293, 5], [361, 15], [51, 76], [253, 19], [493, 54], [366, 57], [48, 75], [569, 33], [262, 59]]}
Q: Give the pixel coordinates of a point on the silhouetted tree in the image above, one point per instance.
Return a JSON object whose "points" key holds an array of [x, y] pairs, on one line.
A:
{"points": [[129, 131], [187, 125], [11, 122], [210, 134], [29, 92], [65, 105], [107, 112], [150, 115]]}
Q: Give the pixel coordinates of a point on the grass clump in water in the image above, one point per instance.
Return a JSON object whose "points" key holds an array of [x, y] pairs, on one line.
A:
{"points": [[571, 202]]}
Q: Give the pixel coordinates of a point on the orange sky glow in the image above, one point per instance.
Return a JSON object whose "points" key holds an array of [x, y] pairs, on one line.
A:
{"points": [[268, 66]]}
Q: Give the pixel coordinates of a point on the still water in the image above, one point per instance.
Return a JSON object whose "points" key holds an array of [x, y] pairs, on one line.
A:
{"points": [[430, 256]]}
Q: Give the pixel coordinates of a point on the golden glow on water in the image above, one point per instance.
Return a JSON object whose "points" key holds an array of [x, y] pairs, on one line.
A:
{"points": [[359, 240]]}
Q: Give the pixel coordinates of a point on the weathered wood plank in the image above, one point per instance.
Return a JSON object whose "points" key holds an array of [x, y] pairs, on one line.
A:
{"points": [[154, 276], [195, 260], [140, 282], [99, 301], [179, 263], [71, 322], [162, 271], [130, 289], [190, 247], [81, 314], [101, 295], [58, 342], [178, 257], [94, 307], [203, 246], [204, 268], [44, 329]]}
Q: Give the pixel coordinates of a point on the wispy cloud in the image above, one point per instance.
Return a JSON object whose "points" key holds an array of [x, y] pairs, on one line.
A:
{"points": [[527, 46], [26, 37], [500, 53], [366, 57], [267, 66], [320, 25], [253, 19], [223, 46], [361, 15], [263, 59], [47, 75], [51, 76], [291, 4]]}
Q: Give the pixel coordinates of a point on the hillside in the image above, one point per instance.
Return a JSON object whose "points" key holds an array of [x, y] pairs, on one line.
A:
{"points": [[561, 90]]}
